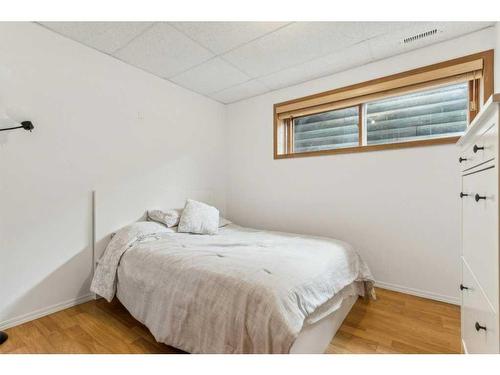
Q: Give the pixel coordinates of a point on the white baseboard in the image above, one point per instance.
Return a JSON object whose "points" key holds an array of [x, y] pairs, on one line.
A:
{"points": [[418, 293], [44, 311]]}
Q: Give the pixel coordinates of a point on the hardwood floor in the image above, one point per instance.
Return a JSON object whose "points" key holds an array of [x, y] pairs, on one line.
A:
{"points": [[399, 323], [394, 323]]}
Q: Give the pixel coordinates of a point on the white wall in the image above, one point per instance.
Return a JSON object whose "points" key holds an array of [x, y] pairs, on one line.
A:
{"points": [[98, 122], [400, 208], [497, 57]]}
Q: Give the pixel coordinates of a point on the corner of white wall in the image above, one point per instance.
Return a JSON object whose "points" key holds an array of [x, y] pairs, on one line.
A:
{"points": [[497, 58]]}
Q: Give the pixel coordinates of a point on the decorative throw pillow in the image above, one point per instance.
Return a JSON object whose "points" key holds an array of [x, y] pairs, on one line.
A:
{"points": [[170, 218], [199, 218]]}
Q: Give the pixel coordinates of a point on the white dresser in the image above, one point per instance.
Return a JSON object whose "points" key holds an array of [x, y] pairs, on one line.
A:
{"points": [[478, 158]]}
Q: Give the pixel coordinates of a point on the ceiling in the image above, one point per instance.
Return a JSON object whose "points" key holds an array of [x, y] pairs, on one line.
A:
{"points": [[231, 61]]}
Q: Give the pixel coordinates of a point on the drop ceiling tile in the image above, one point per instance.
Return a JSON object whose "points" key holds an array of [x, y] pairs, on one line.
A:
{"points": [[392, 44], [291, 45], [455, 29], [220, 37], [365, 30], [164, 51], [211, 76], [350, 57], [239, 92], [104, 36]]}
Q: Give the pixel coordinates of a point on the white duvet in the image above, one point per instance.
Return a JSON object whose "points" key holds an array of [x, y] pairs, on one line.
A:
{"points": [[240, 291]]}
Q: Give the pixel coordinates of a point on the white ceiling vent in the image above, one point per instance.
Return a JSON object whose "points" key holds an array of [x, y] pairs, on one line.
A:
{"points": [[420, 36]]}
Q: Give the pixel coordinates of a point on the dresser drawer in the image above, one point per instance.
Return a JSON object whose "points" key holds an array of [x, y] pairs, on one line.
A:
{"points": [[482, 150], [480, 228], [477, 313]]}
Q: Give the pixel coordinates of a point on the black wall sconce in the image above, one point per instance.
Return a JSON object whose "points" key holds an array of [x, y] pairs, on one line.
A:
{"points": [[26, 125]]}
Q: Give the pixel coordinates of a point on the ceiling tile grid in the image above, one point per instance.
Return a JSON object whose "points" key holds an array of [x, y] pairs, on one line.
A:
{"points": [[231, 61], [241, 91], [350, 57], [103, 36], [164, 51], [211, 76], [288, 46], [220, 37]]}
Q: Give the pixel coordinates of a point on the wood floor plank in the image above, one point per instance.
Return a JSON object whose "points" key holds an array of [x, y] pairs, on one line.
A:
{"points": [[394, 323]]}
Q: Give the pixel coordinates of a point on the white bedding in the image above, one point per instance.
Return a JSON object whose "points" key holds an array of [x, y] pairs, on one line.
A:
{"points": [[240, 291]]}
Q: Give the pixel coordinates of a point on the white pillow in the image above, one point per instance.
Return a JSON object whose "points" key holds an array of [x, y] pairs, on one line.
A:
{"points": [[199, 218], [170, 218]]}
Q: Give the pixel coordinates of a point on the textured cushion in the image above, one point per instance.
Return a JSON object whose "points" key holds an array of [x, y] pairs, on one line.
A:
{"points": [[199, 218], [170, 218]]}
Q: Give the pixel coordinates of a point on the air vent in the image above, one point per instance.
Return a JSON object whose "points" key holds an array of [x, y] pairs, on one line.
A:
{"points": [[420, 36]]}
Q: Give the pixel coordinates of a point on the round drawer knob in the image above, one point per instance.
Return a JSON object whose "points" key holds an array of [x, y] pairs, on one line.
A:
{"points": [[479, 327], [461, 159], [462, 287], [476, 148], [462, 194], [478, 197]]}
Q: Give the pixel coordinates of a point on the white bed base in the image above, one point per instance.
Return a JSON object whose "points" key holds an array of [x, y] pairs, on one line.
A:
{"points": [[315, 338], [115, 208]]}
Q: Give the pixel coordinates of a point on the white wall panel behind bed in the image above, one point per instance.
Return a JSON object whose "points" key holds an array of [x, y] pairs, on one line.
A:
{"points": [[119, 206], [399, 208], [99, 123]]}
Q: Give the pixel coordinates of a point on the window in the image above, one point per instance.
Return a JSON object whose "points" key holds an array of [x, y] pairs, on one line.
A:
{"points": [[427, 114], [426, 106], [327, 130]]}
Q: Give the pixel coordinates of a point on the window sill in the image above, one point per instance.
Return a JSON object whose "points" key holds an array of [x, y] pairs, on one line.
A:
{"points": [[388, 146]]}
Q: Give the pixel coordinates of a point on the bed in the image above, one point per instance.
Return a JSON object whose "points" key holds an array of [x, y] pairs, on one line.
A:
{"points": [[240, 291]]}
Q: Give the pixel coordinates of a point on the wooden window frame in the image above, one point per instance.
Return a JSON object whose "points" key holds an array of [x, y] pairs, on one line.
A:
{"points": [[485, 82]]}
